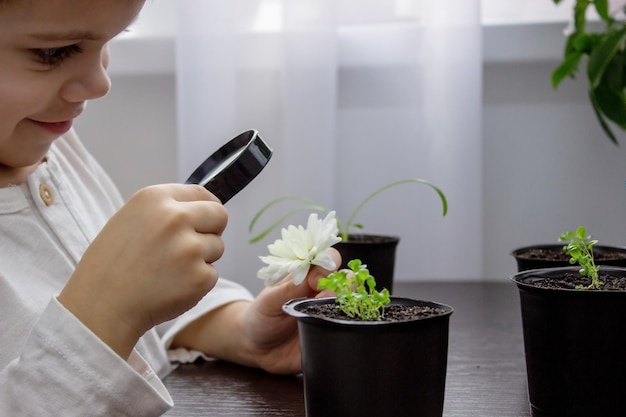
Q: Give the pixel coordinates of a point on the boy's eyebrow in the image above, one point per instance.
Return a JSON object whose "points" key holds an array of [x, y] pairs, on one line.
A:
{"points": [[64, 36]]}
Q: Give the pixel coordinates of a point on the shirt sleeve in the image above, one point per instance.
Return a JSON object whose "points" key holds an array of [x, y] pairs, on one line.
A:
{"points": [[65, 370], [224, 292]]}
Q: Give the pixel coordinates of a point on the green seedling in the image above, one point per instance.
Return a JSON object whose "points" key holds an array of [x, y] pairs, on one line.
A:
{"points": [[356, 293], [579, 246]]}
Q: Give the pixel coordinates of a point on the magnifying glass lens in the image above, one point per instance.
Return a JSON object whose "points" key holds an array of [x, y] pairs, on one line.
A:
{"points": [[229, 169]]}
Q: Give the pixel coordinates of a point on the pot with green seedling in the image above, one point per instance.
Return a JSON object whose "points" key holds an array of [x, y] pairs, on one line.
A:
{"points": [[554, 255], [377, 251], [573, 321], [364, 352]]}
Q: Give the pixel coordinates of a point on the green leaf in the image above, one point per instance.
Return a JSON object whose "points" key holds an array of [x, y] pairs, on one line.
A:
{"points": [[623, 76], [601, 120], [580, 9], [354, 264], [279, 200], [602, 7], [615, 81], [566, 69], [612, 104], [614, 74], [358, 208], [352, 296], [572, 44], [314, 205], [585, 42], [603, 54], [343, 229], [577, 45], [579, 247]]}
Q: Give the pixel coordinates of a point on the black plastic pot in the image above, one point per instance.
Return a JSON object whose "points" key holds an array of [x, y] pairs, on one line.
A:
{"points": [[573, 342], [373, 368], [525, 264], [378, 252]]}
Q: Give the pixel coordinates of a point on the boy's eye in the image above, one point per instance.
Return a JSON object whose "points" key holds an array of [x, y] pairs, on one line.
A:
{"points": [[55, 56]]}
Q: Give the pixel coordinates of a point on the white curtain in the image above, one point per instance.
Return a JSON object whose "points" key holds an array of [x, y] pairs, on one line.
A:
{"points": [[351, 95]]}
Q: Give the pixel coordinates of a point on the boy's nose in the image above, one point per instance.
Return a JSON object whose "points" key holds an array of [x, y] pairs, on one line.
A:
{"points": [[89, 82]]}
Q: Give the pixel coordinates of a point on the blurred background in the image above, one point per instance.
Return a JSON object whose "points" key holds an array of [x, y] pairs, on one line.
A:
{"points": [[354, 94]]}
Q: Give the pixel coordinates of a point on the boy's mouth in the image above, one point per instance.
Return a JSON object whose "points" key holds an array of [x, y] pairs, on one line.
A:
{"points": [[58, 128]]}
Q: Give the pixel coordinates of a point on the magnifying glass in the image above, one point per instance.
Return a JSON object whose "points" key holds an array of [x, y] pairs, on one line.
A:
{"points": [[229, 169]]}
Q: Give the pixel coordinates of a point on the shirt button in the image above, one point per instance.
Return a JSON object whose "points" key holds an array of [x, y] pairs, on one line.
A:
{"points": [[45, 192]]}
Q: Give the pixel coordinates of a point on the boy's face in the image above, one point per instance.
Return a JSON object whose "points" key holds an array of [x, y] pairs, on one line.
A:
{"points": [[53, 58]]}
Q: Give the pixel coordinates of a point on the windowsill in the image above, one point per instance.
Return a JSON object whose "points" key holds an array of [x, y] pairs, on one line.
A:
{"points": [[523, 42], [143, 55], [516, 42]]}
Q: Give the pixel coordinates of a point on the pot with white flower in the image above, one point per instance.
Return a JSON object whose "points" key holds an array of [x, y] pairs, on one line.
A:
{"points": [[364, 352], [377, 251]]}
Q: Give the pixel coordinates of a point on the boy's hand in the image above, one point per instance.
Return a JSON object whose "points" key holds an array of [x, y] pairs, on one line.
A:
{"points": [[271, 335], [257, 333], [151, 262]]}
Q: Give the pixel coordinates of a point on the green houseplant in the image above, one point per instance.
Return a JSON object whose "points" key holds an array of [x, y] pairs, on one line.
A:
{"points": [[376, 250], [573, 320], [364, 352], [606, 60]]}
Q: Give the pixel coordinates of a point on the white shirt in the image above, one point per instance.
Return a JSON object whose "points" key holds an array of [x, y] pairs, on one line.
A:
{"points": [[51, 364]]}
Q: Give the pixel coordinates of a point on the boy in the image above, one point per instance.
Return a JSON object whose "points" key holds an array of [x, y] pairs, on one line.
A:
{"points": [[84, 278]]}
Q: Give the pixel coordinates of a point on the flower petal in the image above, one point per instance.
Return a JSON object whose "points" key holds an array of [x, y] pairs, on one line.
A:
{"points": [[299, 248], [299, 274], [324, 260]]}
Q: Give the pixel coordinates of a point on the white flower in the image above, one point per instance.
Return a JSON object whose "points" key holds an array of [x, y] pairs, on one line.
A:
{"points": [[299, 249]]}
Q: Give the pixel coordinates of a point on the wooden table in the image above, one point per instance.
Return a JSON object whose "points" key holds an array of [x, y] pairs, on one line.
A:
{"points": [[486, 370]]}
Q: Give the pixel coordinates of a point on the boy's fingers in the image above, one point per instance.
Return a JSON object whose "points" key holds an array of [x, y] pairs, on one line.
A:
{"points": [[181, 192], [208, 216], [318, 272]]}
